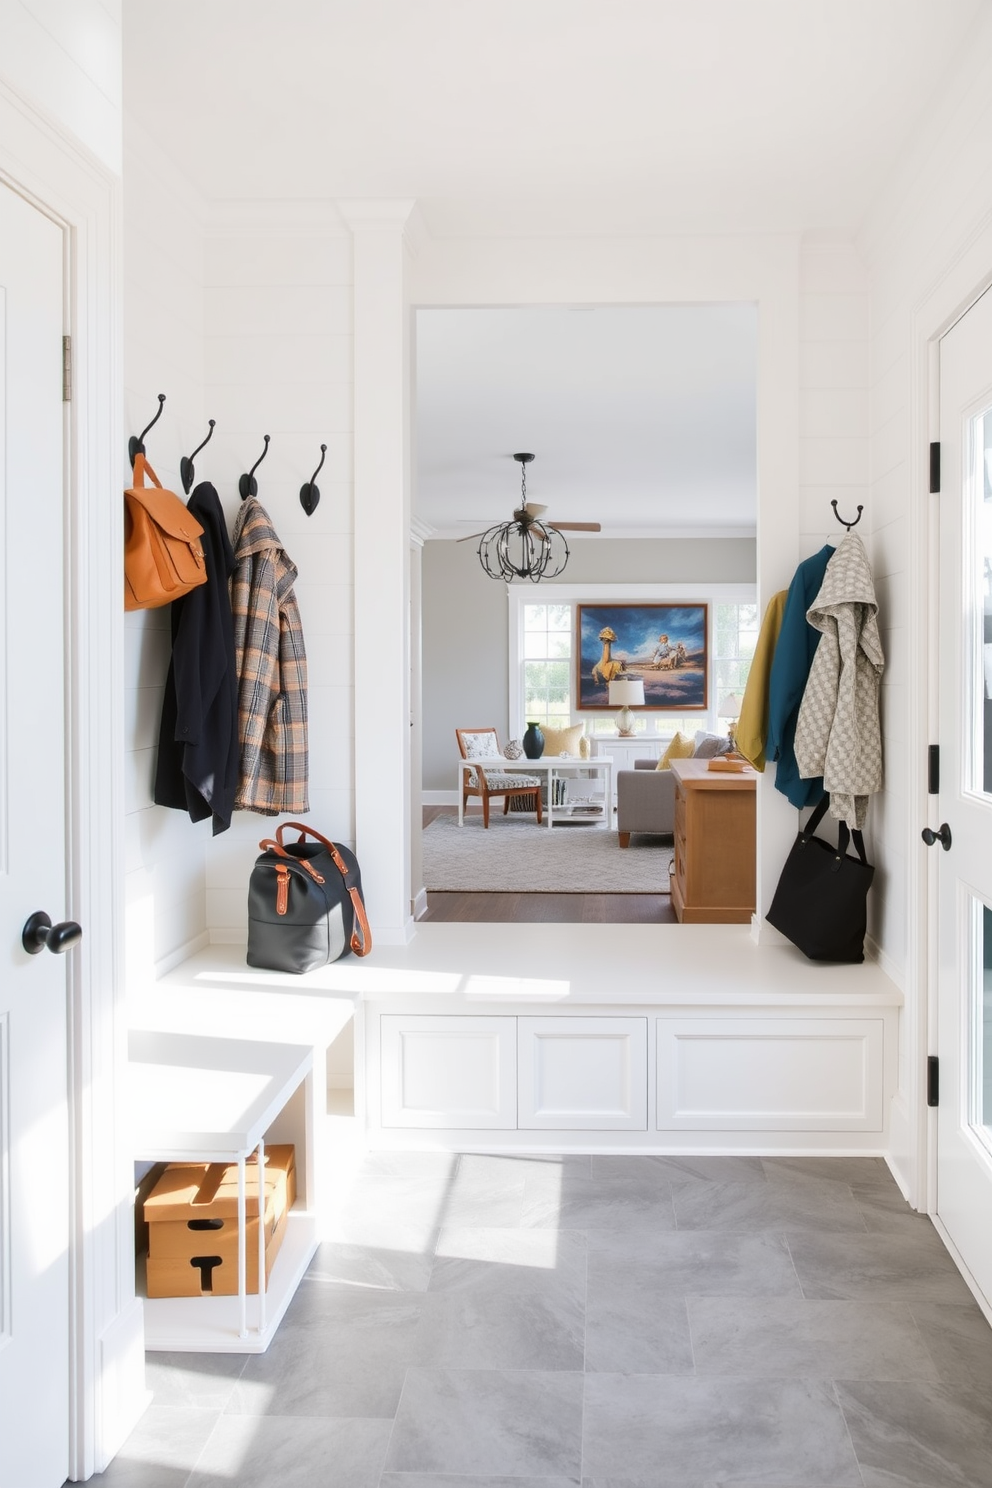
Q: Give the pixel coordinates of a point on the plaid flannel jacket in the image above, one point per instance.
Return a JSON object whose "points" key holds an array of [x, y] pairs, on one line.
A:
{"points": [[272, 669]]}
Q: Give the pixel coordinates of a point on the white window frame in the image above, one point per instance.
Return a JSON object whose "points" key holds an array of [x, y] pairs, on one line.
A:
{"points": [[518, 595]]}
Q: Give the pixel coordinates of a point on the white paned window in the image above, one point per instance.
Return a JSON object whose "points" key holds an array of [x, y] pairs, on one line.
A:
{"points": [[735, 634], [546, 674]]}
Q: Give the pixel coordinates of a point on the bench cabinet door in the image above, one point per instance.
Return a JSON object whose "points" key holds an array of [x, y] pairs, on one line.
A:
{"points": [[583, 1074], [449, 1072]]}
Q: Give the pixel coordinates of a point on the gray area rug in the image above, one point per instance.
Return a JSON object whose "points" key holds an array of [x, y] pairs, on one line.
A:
{"points": [[515, 855]]}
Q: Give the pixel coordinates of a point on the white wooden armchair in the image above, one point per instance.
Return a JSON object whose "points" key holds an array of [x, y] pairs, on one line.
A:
{"points": [[483, 743]]}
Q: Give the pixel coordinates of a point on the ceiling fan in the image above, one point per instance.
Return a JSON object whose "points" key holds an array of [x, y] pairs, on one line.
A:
{"points": [[529, 546]]}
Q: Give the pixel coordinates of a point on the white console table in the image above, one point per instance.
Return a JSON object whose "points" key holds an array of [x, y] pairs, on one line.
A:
{"points": [[554, 767], [624, 751]]}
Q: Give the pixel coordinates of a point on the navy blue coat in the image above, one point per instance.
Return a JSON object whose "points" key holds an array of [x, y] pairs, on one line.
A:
{"points": [[198, 749], [794, 650]]}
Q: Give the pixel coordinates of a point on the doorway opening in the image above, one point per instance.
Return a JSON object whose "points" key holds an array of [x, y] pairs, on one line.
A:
{"points": [[642, 423]]}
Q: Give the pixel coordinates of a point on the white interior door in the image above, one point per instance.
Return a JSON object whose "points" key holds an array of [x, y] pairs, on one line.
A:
{"points": [[34, 1146], [964, 644]]}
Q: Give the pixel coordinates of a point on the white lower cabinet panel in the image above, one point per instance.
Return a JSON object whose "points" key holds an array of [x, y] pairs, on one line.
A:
{"points": [[456, 1072], [583, 1074], [781, 1074]]}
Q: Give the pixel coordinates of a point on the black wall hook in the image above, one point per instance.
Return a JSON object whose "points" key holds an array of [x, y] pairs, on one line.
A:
{"points": [[843, 520], [309, 494], [136, 444], [247, 484], [186, 471]]}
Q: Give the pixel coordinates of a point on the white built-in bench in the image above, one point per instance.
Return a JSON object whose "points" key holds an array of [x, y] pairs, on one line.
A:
{"points": [[532, 1038]]}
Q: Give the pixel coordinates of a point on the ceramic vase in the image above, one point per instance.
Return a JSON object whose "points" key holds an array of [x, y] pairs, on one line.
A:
{"points": [[533, 741]]}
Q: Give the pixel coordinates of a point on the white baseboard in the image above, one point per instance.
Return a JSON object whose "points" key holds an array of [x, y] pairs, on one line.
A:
{"points": [[420, 905], [184, 952], [439, 798]]}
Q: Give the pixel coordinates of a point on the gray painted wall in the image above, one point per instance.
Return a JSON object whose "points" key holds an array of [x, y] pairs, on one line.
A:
{"points": [[465, 662]]}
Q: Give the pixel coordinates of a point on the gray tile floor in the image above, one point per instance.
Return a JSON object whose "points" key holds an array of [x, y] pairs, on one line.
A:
{"points": [[614, 1322]]}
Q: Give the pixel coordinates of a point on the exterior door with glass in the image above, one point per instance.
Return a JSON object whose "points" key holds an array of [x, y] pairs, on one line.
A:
{"points": [[964, 806]]}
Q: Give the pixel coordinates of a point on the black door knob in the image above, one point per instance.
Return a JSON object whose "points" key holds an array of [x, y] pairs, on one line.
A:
{"points": [[39, 932], [943, 836]]}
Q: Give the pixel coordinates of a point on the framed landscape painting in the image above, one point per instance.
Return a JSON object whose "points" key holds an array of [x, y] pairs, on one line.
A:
{"points": [[662, 645]]}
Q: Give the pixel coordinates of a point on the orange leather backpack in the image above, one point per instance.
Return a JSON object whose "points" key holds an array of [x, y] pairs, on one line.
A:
{"points": [[163, 556]]}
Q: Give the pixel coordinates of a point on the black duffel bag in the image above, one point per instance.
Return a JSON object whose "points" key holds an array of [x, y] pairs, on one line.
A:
{"points": [[305, 905], [821, 900]]}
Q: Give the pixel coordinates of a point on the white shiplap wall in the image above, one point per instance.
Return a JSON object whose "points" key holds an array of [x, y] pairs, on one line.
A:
{"points": [[833, 391], [246, 319], [279, 362], [834, 335], [163, 353]]}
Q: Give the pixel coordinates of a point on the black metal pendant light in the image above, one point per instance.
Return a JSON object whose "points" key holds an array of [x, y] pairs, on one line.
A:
{"points": [[526, 547]]}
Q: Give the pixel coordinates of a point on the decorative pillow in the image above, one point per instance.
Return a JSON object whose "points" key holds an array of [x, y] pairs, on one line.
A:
{"points": [[479, 746], [562, 740], [681, 747], [707, 746]]}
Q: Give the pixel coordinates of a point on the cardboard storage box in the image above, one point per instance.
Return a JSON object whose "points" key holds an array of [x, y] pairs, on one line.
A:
{"points": [[192, 1217]]}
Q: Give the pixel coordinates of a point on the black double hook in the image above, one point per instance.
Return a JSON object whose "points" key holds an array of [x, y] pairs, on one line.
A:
{"points": [[247, 484], [186, 471], [136, 444], [309, 494], [843, 520]]}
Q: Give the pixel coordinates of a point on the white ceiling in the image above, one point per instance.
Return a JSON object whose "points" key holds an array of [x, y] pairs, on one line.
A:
{"points": [[536, 116], [638, 418], [709, 115]]}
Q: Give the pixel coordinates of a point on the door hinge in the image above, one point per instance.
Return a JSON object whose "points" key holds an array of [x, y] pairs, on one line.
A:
{"points": [[933, 1080], [933, 770], [935, 468], [66, 369]]}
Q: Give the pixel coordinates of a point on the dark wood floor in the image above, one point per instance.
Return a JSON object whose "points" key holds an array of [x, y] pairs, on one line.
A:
{"points": [[560, 909]]}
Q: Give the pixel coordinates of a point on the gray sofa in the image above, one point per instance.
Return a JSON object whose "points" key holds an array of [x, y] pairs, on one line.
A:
{"points": [[645, 800], [646, 795]]}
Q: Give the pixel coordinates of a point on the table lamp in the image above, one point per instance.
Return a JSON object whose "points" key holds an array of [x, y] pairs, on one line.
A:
{"points": [[730, 708], [628, 692]]}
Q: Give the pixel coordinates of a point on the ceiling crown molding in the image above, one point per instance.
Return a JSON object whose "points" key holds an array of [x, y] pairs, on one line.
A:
{"points": [[421, 531], [387, 214]]}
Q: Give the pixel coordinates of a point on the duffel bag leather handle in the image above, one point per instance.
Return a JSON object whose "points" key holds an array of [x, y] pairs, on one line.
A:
{"points": [[361, 935]]}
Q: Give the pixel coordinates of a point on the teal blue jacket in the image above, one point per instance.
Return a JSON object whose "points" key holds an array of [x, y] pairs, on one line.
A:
{"points": [[797, 642]]}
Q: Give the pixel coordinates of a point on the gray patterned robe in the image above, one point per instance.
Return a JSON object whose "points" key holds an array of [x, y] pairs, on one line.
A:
{"points": [[838, 734]]}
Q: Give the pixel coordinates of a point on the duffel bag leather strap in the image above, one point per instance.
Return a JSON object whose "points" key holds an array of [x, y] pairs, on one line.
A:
{"points": [[283, 870], [361, 935]]}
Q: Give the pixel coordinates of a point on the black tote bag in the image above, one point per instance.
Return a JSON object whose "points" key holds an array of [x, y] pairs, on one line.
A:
{"points": [[821, 900]]}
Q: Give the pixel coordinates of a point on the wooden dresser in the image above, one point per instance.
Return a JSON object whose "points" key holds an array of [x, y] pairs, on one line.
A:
{"points": [[713, 879]]}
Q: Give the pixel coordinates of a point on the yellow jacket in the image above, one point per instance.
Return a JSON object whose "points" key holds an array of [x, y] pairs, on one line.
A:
{"points": [[752, 726]]}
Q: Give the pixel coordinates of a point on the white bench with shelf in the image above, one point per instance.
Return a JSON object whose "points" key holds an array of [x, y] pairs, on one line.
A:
{"points": [[221, 1058]]}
